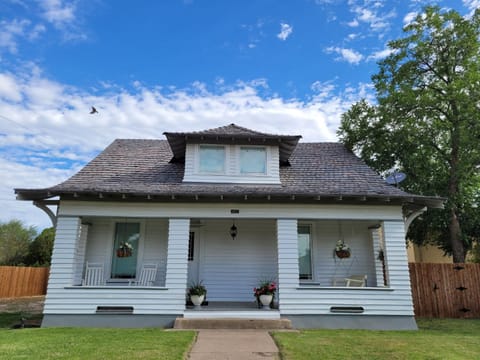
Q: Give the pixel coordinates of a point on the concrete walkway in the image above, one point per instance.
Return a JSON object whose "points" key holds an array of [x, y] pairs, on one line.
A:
{"points": [[234, 345]]}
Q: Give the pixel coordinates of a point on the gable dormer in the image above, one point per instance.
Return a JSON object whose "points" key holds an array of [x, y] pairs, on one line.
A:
{"points": [[231, 154]]}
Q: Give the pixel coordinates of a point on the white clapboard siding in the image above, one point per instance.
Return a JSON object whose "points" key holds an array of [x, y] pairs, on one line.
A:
{"points": [[232, 167], [202, 210], [63, 298], [230, 269], [328, 266], [395, 300], [155, 248]]}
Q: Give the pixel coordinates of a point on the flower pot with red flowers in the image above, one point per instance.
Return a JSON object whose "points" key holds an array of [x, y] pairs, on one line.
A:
{"points": [[265, 293]]}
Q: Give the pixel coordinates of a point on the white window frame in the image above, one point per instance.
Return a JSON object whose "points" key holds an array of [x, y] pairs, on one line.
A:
{"points": [[111, 253], [312, 264]]}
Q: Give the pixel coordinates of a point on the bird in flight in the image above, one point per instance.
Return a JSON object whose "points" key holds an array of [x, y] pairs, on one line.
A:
{"points": [[93, 111]]}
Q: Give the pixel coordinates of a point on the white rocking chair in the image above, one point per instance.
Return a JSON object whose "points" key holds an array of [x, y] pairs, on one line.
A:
{"points": [[356, 281], [94, 275], [147, 276]]}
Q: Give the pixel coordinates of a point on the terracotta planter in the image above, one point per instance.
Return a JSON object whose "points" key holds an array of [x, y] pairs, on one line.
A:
{"points": [[342, 254], [266, 300]]}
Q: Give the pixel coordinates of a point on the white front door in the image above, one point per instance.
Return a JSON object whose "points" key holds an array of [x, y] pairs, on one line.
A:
{"points": [[193, 255]]}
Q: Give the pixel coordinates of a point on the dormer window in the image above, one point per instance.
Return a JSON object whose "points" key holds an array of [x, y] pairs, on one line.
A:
{"points": [[253, 160], [211, 159]]}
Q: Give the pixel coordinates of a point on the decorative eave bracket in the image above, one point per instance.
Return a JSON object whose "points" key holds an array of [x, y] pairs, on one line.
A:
{"points": [[412, 216], [42, 204]]}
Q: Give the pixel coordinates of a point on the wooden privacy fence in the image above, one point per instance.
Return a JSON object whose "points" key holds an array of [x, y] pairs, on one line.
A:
{"points": [[16, 281], [446, 290]]}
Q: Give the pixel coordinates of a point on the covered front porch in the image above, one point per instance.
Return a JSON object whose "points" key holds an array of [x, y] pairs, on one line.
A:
{"points": [[230, 266], [298, 254]]}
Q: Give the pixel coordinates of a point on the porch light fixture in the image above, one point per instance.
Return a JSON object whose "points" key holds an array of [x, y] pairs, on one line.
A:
{"points": [[233, 231]]}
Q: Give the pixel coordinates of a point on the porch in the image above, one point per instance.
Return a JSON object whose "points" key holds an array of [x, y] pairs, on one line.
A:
{"points": [[297, 254], [231, 267]]}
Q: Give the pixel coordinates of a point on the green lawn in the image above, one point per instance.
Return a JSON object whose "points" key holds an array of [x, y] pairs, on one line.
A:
{"points": [[87, 343], [436, 339]]}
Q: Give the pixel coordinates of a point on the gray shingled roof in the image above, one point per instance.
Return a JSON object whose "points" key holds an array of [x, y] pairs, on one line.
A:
{"points": [[231, 134], [143, 168]]}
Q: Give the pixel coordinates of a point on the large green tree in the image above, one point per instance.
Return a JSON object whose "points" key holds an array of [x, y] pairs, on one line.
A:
{"points": [[15, 239], [40, 249], [426, 122]]}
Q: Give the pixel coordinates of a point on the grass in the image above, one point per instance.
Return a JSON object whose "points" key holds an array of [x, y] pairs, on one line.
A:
{"points": [[90, 343], [435, 339]]}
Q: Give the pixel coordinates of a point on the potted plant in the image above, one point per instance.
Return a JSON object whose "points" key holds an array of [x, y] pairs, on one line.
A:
{"points": [[265, 293], [125, 249], [342, 250], [197, 292]]}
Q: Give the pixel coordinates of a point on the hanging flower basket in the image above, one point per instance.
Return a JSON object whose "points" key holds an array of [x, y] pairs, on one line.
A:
{"points": [[342, 254], [125, 250], [342, 250]]}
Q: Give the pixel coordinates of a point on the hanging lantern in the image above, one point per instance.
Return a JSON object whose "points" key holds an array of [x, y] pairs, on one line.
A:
{"points": [[233, 231]]}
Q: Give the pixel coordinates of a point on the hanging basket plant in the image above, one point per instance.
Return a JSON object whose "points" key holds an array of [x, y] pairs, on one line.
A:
{"points": [[125, 250], [342, 250]]}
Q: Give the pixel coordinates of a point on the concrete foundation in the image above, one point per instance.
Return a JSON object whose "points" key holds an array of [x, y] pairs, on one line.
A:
{"points": [[368, 322], [109, 320]]}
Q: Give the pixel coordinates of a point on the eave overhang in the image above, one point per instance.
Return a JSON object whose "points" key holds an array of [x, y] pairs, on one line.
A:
{"points": [[410, 202], [178, 142]]}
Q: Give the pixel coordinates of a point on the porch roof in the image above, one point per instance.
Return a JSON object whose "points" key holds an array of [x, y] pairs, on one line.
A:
{"points": [[140, 170]]}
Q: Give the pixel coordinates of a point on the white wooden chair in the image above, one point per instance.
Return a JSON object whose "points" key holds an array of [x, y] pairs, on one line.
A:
{"points": [[356, 281], [147, 276], [94, 275]]}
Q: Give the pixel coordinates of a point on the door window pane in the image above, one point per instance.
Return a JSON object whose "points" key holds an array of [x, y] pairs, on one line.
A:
{"points": [[212, 159], [253, 160], [125, 250], [304, 252]]}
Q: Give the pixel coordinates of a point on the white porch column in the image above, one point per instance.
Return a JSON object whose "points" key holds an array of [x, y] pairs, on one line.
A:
{"points": [[396, 260], [67, 236], [79, 257], [287, 244], [177, 259]]}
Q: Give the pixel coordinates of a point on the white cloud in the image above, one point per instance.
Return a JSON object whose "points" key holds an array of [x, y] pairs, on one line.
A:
{"points": [[285, 31], [58, 12], [62, 15], [10, 32], [369, 12], [47, 133], [378, 55], [408, 18], [36, 32], [9, 88], [472, 5], [353, 23], [349, 55]]}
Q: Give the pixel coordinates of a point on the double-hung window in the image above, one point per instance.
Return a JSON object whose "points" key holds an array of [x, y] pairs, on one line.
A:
{"points": [[212, 159], [305, 252]]}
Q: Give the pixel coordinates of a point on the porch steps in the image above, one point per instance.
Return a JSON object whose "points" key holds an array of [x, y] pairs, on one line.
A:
{"points": [[232, 323]]}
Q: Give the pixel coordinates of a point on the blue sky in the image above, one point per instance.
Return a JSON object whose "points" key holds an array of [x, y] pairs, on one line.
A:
{"points": [[288, 67]]}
